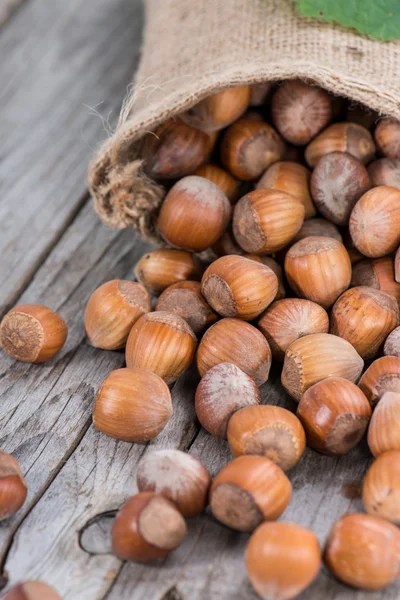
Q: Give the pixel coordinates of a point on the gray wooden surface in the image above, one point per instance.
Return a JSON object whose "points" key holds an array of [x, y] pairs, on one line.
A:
{"points": [[64, 71]]}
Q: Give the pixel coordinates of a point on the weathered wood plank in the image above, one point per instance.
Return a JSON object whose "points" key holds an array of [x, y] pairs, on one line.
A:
{"points": [[62, 59]]}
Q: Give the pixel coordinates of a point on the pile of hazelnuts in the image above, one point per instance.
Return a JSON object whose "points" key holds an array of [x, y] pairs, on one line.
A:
{"points": [[281, 223]]}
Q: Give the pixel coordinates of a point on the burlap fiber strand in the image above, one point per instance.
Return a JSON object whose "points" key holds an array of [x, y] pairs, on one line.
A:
{"points": [[194, 47]]}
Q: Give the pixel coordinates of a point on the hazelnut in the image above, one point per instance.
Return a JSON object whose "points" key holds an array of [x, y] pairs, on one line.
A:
{"points": [[178, 476], [133, 405], [299, 111], [223, 390], [375, 222], [259, 92], [222, 179], [227, 245], [342, 137], [174, 149], [361, 114], [318, 269], [384, 429], [377, 273], [392, 344], [235, 286], [387, 137], [111, 311], [315, 357], [335, 415], [13, 488], [269, 431], [248, 491], [397, 266], [385, 171], [292, 178], [364, 317], [275, 267], [32, 333], [337, 183], [31, 590], [317, 227], [194, 214], [163, 343], [160, 268], [237, 342], [383, 375], [216, 111], [289, 319], [185, 299], [147, 526], [282, 559], [381, 488], [249, 147], [266, 220], [363, 551]]}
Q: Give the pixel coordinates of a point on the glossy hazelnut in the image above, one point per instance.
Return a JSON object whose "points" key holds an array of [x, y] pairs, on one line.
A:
{"points": [[266, 220], [275, 267], [377, 273], [318, 356], [194, 214], [32, 333], [342, 137], [147, 526], [237, 342], [259, 92], [387, 137], [133, 405], [163, 343], [223, 390], [363, 551], [178, 476], [228, 184], [289, 319], [381, 487], [317, 227], [384, 429], [299, 111], [31, 590], [318, 269], [282, 559], [174, 150], [385, 171], [375, 222], [227, 245], [248, 491], [235, 286], [335, 415], [216, 111], [269, 431], [392, 344], [112, 310], [249, 147], [293, 178], [337, 183], [364, 317], [383, 375], [160, 268], [186, 300], [13, 488]]}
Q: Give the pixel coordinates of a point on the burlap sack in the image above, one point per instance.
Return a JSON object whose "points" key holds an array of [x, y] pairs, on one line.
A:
{"points": [[194, 47]]}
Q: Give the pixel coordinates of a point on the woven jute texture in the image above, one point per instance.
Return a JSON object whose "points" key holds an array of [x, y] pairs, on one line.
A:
{"points": [[194, 47]]}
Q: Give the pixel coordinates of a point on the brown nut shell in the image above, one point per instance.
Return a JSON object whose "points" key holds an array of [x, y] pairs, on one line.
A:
{"points": [[317, 227], [147, 526], [163, 343], [13, 488], [381, 487], [385, 171], [392, 344], [31, 590], [269, 431], [132, 405], [384, 429], [237, 342], [218, 110], [377, 273], [224, 180], [32, 333], [249, 490], [178, 476], [387, 137], [341, 137], [160, 268], [383, 375], [282, 559], [335, 415], [275, 267], [259, 92]]}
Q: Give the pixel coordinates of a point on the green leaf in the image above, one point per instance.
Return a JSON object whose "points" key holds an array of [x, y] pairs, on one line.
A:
{"points": [[378, 19]]}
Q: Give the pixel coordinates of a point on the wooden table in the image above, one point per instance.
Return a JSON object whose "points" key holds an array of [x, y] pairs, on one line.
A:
{"points": [[64, 69]]}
